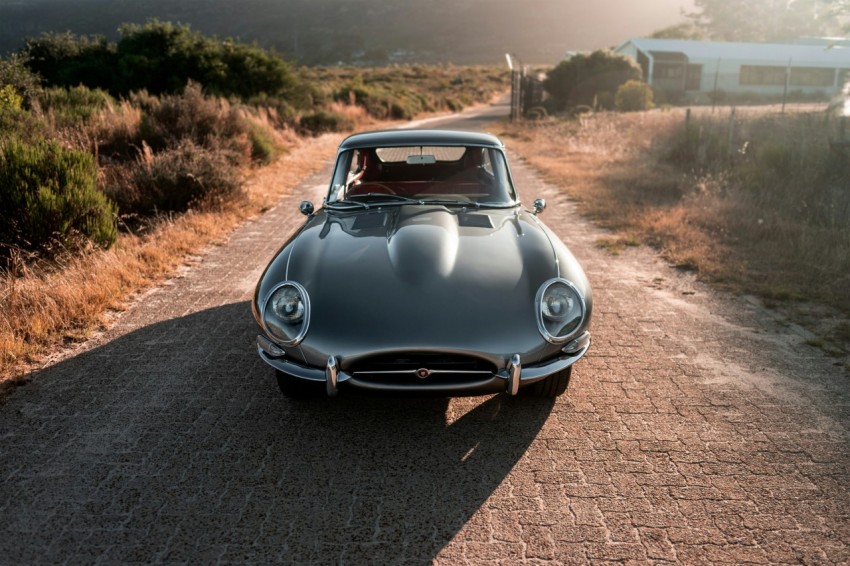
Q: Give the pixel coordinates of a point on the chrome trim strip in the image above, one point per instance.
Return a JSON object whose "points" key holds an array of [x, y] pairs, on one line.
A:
{"points": [[414, 372], [331, 375], [491, 385], [536, 373], [514, 373], [527, 374], [292, 368]]}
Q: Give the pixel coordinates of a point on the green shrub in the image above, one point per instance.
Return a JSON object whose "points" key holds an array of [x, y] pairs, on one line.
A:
{"points": [[187, 176], [324, 121], [633, 96], [74, 106], [49, 195], [212, 123], [264, 149], [580, 79], [14, 71], [162, 57], [10, 99]]}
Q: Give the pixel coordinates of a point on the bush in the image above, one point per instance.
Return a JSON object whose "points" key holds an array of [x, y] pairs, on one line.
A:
{"points": [[324, 121], [184, 177], [205, 121], [581, 78], [67, 60], [10, 100], [633, 96], [162, 57], [49, 195], [264, 148], [14, 72], [74, 106]]}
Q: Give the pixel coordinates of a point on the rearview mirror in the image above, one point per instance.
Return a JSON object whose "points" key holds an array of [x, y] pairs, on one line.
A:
{"points": [[539, 206], [421, 160]]}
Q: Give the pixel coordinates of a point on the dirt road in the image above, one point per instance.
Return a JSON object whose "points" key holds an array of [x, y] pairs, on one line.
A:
{"points": [[697, 430]]}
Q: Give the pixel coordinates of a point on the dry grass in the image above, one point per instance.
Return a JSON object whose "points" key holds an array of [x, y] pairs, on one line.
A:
{"points": [[768, 215], [42, 309]]}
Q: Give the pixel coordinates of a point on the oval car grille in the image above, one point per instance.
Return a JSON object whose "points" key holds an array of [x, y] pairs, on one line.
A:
{"points": [[422, 368]]}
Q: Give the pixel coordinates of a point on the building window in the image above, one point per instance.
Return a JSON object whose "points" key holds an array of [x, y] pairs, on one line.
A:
{"points": [[762, 75], [694, 77], [812, 76], [668, 71]]}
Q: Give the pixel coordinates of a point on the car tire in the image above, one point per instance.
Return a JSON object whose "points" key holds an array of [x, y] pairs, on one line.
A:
{"points": [[294, 387], [553, 386]]}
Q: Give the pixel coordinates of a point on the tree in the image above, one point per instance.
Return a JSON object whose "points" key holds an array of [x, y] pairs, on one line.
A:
{"points": [[633, 96], [685, 30], [767, 20], [582, 78]]}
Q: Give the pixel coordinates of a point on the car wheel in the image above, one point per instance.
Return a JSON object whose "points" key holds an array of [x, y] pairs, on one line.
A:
{"points": [[551, 387], [294, 387]]}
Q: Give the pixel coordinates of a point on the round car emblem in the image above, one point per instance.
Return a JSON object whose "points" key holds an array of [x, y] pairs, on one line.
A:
{"points": [[423, 373]]}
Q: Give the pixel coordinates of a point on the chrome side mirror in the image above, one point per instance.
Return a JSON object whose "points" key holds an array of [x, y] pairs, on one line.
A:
{"points": [[539, 206], [306, 208]]}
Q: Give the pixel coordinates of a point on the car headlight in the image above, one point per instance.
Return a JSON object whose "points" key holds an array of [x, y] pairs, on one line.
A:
{"points": [[286, 314], [560, 310]]}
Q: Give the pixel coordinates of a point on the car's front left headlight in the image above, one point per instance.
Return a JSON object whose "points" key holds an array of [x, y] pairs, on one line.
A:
{"points": [[286, 314], [560, 310]]}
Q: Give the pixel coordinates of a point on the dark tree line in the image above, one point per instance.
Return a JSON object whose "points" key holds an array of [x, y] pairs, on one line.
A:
{"points": [[161, 58]]}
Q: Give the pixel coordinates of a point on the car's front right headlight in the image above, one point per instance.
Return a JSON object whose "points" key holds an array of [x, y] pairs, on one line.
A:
{"points": [[560, 310], [286, 314]]}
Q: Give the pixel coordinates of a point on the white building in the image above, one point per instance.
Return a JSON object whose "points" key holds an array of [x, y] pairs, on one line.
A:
{"points": [[695, 69]]}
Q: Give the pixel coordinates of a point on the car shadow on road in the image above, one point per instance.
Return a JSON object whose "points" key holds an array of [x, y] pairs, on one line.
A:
{"points": [[177, 432]]}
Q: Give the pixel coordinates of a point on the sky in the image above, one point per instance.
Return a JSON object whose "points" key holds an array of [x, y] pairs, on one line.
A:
{"points": [[544, 29], [613, 21]]}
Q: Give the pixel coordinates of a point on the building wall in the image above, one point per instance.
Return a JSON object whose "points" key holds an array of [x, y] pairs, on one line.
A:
{"points": [[740, 74]]}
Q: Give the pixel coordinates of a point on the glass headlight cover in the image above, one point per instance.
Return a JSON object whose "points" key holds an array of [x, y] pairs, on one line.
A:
{"points": [[560, 310], [286, 314]]}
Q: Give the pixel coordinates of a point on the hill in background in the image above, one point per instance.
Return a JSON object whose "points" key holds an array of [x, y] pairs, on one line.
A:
{"points": [[321, 32]]}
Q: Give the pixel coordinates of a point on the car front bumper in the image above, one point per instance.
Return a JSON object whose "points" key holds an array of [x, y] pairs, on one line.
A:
{"points": [[509, 379]]}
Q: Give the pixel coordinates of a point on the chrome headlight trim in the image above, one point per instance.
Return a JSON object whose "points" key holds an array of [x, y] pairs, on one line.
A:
{"points": [[305, 323], [538, 308]]}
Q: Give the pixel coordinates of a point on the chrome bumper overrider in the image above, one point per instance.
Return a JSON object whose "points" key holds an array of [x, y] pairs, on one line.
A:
{"points": [[511, 377]]}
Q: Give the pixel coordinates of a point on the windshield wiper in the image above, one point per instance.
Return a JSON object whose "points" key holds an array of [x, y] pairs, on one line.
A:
{"points": [[492, 204], [398, 198], [451, 202], [335, 205]]}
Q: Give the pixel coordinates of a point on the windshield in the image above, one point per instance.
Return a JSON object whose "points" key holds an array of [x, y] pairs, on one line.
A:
{"points": [[422, 174]]}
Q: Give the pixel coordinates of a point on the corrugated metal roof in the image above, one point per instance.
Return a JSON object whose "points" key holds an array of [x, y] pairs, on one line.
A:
{"points": [[816, 55]]}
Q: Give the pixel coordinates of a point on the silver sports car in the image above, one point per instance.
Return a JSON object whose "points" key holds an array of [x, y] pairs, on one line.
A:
{"points": [[422, 272]]}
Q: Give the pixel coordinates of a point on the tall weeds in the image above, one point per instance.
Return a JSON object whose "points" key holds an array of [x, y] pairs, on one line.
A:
{"points": [[756, 201]]}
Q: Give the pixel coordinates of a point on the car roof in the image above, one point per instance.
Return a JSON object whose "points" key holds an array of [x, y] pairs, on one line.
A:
{"points": [[403, 138]]}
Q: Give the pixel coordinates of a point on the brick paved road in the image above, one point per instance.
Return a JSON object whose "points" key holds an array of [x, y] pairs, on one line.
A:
{"points": [[698, 430]]}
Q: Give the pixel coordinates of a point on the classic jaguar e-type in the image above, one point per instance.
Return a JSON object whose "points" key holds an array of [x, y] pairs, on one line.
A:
{"points": [[422, 272]]}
